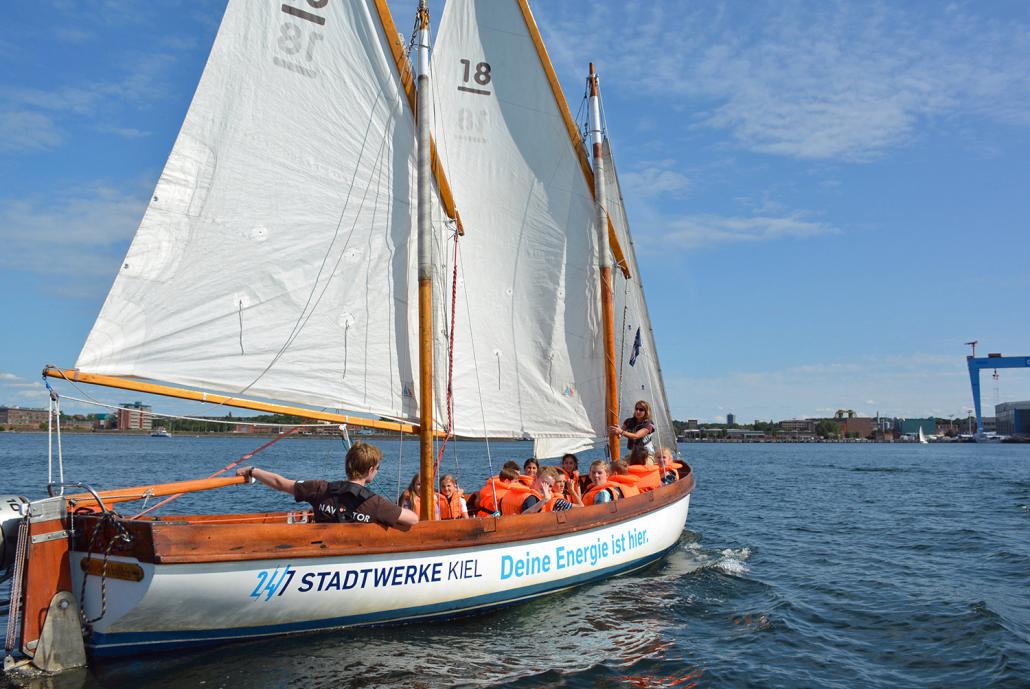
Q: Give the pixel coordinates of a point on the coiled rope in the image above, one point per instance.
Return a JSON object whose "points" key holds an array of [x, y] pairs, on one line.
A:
{"points": [[107, 518]]}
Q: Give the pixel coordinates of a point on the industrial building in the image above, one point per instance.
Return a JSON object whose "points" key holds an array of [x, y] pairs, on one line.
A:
{"points": [[1013, 418]]}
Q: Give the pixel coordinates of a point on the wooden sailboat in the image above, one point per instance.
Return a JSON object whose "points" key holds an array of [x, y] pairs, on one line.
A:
{"points": [[279, 251]]}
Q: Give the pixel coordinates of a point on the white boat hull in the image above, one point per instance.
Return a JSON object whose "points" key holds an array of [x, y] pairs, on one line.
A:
{"points": [[177, 605]]}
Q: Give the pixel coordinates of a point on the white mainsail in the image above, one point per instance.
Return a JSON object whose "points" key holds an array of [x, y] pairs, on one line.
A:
{"points": [[639, 373], [276, 257], [528, 354]]}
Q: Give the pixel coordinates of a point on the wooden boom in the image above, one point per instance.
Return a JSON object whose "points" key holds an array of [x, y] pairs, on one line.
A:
{"points": [[76, 376], [116, 495]]}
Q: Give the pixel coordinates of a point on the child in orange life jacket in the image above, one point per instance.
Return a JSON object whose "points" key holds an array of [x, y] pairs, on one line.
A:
{"points": [[540, 497], [489, 501], [621, 477], [529, 471], [567, 489], [512, 465], [450, 501], [669, 467], [570, 465], [599, 490], [649, 475], [411, 497]]}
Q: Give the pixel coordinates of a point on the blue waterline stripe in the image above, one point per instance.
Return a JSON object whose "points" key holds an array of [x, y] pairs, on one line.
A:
{"points": [[126, 643]]}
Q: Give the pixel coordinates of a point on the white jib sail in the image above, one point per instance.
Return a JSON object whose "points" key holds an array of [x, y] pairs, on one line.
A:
{"points": [[276, 257], [528, 351], [636, 358]]}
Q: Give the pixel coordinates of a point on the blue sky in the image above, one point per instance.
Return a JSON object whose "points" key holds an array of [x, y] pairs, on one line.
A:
{"points": [[827, 199]]}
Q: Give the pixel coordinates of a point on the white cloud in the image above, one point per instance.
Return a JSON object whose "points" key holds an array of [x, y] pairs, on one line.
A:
{"points": [[25, 130], [15, 389], [806, 79], [649, 179], [83, 230], [124, 132], [697, 231], [95, 213], [34, 118], [74, 35]]}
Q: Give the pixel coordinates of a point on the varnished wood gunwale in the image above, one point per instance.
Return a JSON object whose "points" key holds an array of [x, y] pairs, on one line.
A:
{"points": [[193, 540]]}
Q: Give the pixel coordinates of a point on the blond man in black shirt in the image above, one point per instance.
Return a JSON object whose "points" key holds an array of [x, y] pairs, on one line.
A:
{"points": [[342, 501]]}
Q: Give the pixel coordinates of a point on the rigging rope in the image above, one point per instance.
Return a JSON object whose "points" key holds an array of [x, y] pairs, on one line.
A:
{"points": [[479, 386], [622, 333], [224, 469], [450, 361]]}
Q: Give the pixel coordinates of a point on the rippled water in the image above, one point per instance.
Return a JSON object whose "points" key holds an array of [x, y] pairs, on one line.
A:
{"points": [[802, 566]]}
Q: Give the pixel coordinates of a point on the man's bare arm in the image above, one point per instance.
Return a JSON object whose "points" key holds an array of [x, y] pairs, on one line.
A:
{"points": [[269, 478]]}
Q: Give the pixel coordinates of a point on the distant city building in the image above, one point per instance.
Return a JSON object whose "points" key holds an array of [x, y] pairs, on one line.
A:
{"points": [[16, 417], [798, 426], [1013, 418], [912, 426], [691, 424], [990, 424], [864, 426], [134, 416], [743, 434], [731, 419]]}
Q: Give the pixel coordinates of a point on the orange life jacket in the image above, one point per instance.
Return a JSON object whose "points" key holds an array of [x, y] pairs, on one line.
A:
{"points": [[416, 503], [649, 477], [512, 501], [591, 495], [572, 475], [549, 505], [627, 484], [526, 480], [449, 509], [487, 506], [672, 468]]}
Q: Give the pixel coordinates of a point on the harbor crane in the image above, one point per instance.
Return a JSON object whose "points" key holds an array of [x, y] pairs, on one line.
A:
{"points": [[995, 361]]}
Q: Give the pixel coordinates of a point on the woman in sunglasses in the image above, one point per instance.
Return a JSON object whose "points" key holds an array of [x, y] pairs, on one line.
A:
{"points": [[637, 429]]}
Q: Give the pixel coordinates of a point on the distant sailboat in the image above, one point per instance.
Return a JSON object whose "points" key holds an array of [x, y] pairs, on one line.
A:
{"points": [[922, 437]]}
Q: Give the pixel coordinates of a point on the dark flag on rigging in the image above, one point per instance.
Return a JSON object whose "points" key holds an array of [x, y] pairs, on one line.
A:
{"points": [[636, 349]]}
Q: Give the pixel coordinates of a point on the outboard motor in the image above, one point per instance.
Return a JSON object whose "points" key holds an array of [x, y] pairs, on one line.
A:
{"points": [[13, 509]]}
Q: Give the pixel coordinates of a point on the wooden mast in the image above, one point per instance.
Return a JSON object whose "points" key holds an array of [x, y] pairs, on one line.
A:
{"points": [[425, 273], [604, 260]]}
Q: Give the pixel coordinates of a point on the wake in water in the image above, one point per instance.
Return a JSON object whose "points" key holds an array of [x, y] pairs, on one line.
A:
{"points": [[694, 558]]}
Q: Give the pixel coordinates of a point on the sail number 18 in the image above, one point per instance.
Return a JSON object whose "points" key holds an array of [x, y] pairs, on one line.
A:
{"points": [[297, 44], [480, 75]]}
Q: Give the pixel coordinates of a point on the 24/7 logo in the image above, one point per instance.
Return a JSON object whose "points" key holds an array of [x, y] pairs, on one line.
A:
{"points": [[272, 583]]}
